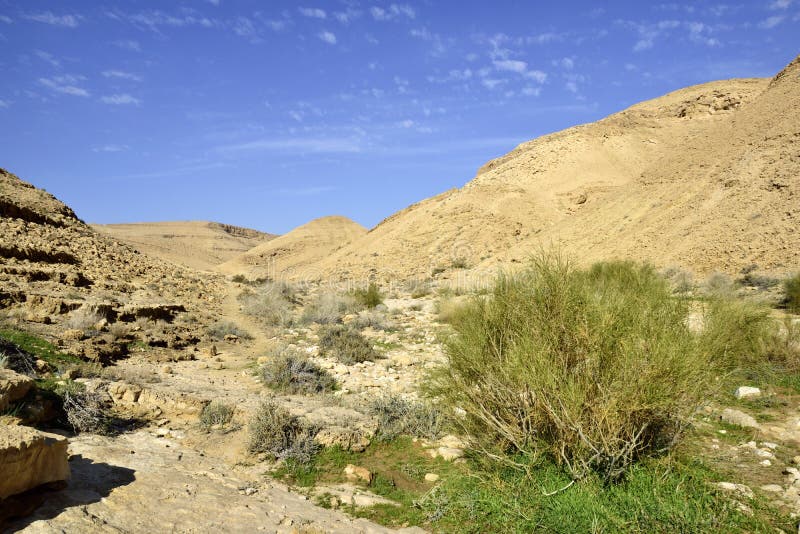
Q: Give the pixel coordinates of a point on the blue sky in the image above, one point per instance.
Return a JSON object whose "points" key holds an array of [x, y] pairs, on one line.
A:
{"points": [[269, 114]]}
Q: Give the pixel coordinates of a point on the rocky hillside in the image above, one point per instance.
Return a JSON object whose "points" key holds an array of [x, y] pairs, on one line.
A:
{"points": [[60, 277], [201, 245], [297, 253], [705, 178]]}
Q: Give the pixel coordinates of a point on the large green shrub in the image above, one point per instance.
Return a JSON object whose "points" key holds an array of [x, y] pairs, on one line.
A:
{"points": [[290, 371], [791, 292], [347, 345], [369, 297], [593, 368]]}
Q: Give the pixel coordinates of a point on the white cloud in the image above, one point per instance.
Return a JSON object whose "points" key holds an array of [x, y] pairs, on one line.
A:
{"points": [[544, 38], [328, 37], [213, 2], [771, 22], [4, 103], [244, 27], [408, 123], [154, 19], [572, 87], [321, 145], [7, 20], [110, 148], [129, 44], [532, 91], [48, 57], [65, 84], [537, 76], [780, 4], [392, 12], [566, 63], [48, 17], [347, 16], [122, 75], [313, 12], [122, 99], [512, 65], [491, 83]]}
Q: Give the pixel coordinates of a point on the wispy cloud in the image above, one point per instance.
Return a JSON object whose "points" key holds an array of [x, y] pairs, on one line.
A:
{"points": [[318, 145], [771, 22], [122, 75], [128, 44], [347, 15], [48, 17], [328, 37], [110, 148], [5, 19], [394, 11], [153, 20], [4, 103], [66, 84], [123, 99], [511, 65], [780, 4], [313, 12], [48, 58]]}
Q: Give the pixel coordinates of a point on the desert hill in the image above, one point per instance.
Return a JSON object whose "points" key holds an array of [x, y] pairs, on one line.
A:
{"points": [[200, 245], [296, 253], [705, 178], [57, 274]]}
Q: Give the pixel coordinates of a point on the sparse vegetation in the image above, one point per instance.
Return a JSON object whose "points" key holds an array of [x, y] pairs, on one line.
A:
{"points": [[372, 319], [85, 411], [328, 308], [593, 369], [459, 263], [449, 309], [84, 318], [398, 416], [791, 294], [290, 371], [719, 284], [750, 278], [272, 303], [216, 413], [346, 344], [219, 330], [369, 297], [273, 430], [419, 288]]}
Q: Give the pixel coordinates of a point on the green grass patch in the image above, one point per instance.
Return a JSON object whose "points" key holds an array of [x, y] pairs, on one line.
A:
{"points": [[39, 347]]}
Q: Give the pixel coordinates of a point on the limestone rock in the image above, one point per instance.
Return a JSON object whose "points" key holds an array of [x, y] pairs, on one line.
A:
{"points": [[746, 392], [30, 458], [741, 419], [13, 386], [354, 472]]}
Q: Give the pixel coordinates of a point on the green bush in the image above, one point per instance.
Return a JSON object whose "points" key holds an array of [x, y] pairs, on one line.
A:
{"points": [[400, 416], [273, 430], [347, 345], [216, 412], [791, 294], [369, 297], [593, 368], [289, 371]]}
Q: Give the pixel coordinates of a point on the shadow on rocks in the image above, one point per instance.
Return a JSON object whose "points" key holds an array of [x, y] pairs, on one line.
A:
{"points": [[91, 481]]}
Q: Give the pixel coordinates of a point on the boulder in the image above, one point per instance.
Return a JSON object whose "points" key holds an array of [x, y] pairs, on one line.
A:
{"points": [[13, 386], [30, 458], [746, 392], [357, 473]]}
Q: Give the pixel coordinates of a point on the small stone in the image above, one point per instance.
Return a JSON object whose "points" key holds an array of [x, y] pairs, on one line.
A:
{"points": [[746, 392], [167, 370], [765, 463], [761, 453], [796, 460], [431, 477], [772, 488], [334, 502], [738, 418], [769, 445]]}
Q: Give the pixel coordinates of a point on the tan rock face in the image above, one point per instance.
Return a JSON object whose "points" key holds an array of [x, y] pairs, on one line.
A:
{"points": [[13, 386], [30, 458]]}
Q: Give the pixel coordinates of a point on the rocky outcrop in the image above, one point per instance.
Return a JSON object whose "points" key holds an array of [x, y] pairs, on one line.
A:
{"points": [[30, 458], [13, 386]]}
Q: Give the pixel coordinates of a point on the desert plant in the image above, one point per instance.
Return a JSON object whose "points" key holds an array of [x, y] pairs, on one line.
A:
{"points": [[216, 412], [397, 416], [791, 293], [718, 284], [374, 318], [449, 309], [273, 430], [593, 368], [328, 308], [84, 318], [370, 296], [85, 411], [219, 330], [459, 263], [270, 303], [750, 278], [290, 371], [346, 344], [419, 288]]}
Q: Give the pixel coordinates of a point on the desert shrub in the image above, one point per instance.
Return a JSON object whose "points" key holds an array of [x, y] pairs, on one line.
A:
{"points": [[328, 308], [219, 330], [419, 288], [373, 318], [369, 297], [85, 411], [460, 263], [681, 280], [398, 416], [239, 279], [750, 278], [449, 309], [271, 303], [347, 345], [84, 318], [791, 294], [718, 284], [273, 430], [290, 371], [216, 412], [593, 368]]}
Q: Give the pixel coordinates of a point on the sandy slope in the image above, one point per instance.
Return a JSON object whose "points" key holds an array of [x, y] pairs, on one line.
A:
{"points": [[198, 244], [706, 178], [296, 253]]}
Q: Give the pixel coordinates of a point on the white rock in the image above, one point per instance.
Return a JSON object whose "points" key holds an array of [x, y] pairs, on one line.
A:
{"points": [[738, 418], [772, 488], [431, 477], [745, 392]]}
